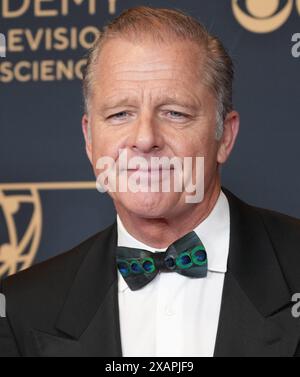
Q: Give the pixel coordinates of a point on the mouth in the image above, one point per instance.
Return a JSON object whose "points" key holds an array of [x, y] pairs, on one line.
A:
{"points": [[150, 171]]}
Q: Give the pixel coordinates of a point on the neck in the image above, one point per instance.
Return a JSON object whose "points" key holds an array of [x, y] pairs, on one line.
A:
{"points": [[150, 231]]}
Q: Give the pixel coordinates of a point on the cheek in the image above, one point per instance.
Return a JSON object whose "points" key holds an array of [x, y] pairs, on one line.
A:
{"points": [[199, 140], [104, 144], [206, 148], [195, 146]]}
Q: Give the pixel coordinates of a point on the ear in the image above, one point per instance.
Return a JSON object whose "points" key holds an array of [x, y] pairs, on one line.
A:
{"points": [[231, 130], [87, 136]]}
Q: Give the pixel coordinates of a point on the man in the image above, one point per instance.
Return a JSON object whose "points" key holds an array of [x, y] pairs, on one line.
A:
{"points": [[158, 85]]}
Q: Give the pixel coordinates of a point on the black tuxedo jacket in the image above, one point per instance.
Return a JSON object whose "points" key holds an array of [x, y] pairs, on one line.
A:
{"points": [[68, 306]]}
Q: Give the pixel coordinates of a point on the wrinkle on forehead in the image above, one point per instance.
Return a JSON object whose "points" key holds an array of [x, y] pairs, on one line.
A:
{"points": [[120, 58], [146, 71], [150, 72], [168, 79], [149, 75], [156, 96]]}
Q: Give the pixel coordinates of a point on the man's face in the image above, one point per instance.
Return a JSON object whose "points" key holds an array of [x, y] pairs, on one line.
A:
{"points": [[149, 100]]}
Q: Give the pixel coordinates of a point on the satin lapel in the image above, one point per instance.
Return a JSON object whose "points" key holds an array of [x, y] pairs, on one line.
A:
{"points": [[91, 313], [255, 317], [245, 332]]}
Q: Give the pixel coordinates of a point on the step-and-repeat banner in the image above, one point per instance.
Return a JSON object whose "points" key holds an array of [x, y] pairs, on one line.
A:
{"points": [[48, 200]]}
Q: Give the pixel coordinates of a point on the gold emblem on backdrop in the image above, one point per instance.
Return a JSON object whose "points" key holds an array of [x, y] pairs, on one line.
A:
{"points": [[264, 16], [18, 252]]}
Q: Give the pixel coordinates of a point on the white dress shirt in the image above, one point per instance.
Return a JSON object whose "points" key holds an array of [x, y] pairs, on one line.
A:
{"points": [[176, 316]]}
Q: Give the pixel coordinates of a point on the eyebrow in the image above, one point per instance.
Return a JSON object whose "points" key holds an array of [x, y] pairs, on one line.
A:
{"points": [[115, 102], [164, 100], [191, 103]]}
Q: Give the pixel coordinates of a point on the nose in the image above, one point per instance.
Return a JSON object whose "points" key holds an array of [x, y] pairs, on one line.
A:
{"points": [[146, 136]]}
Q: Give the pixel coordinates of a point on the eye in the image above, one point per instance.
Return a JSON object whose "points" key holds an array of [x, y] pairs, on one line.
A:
{"points": [[176, 115], [120, 115]]}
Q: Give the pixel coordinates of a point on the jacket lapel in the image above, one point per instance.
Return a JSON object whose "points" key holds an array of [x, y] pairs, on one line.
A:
{"points": [[90, 315], [255, 317]]}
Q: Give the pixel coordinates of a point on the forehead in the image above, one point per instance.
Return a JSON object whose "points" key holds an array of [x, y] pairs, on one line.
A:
{"points": [[123, 62]]}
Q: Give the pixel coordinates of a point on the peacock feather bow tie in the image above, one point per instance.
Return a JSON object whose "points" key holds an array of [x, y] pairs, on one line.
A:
{"points": [[187, 256]]}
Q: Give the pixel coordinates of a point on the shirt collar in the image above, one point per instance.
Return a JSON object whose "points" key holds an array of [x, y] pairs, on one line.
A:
{"points": [[214, 233]]}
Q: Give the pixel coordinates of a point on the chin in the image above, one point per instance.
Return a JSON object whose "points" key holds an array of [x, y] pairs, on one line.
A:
{"points": [[149, 205]]}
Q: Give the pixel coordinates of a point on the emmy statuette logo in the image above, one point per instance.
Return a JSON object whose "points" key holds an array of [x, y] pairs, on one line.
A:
{"points": [[18, 250]]}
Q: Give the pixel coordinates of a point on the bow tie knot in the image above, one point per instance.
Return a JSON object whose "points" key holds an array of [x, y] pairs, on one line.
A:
{"points": [[187, 256]]}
